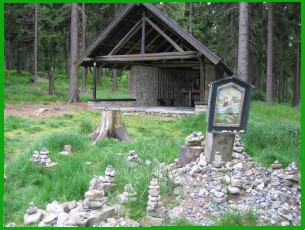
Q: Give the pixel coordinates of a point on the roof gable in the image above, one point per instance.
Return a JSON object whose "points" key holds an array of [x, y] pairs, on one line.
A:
{"points": [[144, 29]]}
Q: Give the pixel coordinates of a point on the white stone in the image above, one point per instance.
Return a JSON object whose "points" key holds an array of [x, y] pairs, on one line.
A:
{"points": [[261, 186], [176, 212], [31, 219], [54, 207], [233, 190]]}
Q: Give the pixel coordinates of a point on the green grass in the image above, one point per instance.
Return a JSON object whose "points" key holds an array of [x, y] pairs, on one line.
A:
{"points": [[155, 138], [273, 133], [248, 218], [20, 89]]}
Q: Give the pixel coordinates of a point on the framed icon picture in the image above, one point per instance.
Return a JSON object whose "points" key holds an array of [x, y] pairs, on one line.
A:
{"points": [[228, 110], [229, 104]]}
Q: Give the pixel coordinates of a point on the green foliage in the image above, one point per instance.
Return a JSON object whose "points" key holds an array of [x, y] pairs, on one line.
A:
{"points": [[12, 122], [237, 218], [56, 141], [258, 95], [86, 126], [274, 133], [183, 222]]}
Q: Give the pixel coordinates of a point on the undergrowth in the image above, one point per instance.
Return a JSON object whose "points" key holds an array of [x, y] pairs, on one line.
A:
{"points": [[238, 218]]}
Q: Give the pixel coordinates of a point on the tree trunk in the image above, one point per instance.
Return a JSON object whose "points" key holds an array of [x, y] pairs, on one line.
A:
{"points": [[35, 44], [269, 90], [73, 93], [280, 87], [111, 126], [191, 17], [296, 83], [84, 22], [296, 80], [18, 61], [243, 63], [67, 59], [51, 81], [115, 80]]}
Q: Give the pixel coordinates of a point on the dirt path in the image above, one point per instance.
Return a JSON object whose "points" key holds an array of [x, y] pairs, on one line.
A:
{"points": [[51, 109]]}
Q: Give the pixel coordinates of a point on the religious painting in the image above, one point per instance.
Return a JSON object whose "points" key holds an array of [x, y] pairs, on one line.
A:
{"points": [[229, 105]]}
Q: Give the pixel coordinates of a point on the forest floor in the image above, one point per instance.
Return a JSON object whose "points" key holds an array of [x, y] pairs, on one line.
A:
{"points": [[52, 109]]}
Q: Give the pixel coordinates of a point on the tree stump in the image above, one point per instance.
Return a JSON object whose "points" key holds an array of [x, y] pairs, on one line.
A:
{"points": [[112, 126]]}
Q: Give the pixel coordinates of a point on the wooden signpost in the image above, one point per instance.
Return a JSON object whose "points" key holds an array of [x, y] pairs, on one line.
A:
{"points": [[229, 104]]}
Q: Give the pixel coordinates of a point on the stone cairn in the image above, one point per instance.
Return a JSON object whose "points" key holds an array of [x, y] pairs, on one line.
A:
{"points": [[94, 197], [133, 158], [129, 195], [109, 180], [32, 215], [35, 157], [43, 158], [191, 150], [194, 139], [99, 186], [154, 205]]}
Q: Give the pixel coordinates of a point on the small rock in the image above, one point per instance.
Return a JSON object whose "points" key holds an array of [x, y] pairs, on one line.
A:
{"points": [[233, 190], [151, 221]]}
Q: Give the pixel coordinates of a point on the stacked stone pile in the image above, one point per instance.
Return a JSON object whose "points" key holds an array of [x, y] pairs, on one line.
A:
{"points": [[194, 139], [43, 158], [154, 205], [95, 198], [129, 195], [133, 158], [241, 184], [109, 179], [35, 157], [32, 215], [191, 150]]}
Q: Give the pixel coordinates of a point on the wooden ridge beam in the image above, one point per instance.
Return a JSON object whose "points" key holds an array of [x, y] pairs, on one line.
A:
{"points": [[149, 57]]}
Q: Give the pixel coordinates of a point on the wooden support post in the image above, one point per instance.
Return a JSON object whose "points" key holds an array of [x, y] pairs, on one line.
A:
{"points": [[143, 34], [202, 80], [94, 81]]}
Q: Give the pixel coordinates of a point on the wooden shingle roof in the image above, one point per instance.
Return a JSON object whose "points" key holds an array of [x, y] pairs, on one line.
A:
{"points": [[143, 35]]}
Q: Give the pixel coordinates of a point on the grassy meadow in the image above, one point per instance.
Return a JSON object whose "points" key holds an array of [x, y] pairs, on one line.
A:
{"points": [[273, 133]]}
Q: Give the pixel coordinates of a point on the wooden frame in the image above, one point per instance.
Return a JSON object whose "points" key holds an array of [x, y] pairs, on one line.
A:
{"points": [[228, 105]]}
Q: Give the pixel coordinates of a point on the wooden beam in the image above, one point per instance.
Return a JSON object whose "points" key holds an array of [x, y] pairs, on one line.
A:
{"points": [[127, 37], [94, 81], [202, 80], [164, 35], [143, 34], [175, 65], [138, 42], [149, 57], [152, 41]]}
